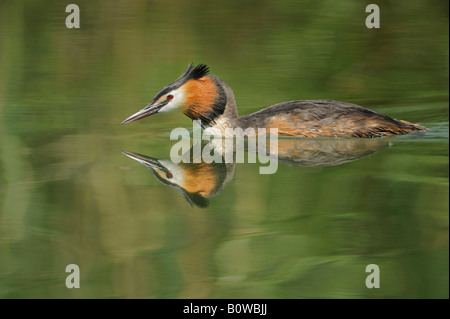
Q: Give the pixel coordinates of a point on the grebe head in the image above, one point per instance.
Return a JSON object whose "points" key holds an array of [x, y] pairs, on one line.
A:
{"points": [[198, 95]]}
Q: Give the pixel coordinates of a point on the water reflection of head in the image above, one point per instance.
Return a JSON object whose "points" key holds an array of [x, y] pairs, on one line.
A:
{"points": [[196, 181]]}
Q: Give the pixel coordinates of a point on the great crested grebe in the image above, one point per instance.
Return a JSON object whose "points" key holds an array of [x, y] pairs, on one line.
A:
{"points": [[205, 97]]}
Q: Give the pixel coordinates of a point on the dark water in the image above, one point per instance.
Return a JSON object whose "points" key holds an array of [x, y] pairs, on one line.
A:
{"points": [[68, 195]]}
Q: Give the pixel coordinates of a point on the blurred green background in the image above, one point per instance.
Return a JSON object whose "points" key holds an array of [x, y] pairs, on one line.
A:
{"points": [[67, 194]]}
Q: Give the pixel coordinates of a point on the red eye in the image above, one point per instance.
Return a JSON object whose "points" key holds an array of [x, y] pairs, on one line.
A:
{"points": [[170, 96]]}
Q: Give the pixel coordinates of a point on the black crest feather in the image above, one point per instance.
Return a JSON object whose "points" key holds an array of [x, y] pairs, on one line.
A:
{"points": [[192, 72], [196, 199], [199, 71]]}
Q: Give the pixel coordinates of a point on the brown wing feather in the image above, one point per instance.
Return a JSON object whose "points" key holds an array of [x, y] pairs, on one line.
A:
{"points": [[324, 118]]}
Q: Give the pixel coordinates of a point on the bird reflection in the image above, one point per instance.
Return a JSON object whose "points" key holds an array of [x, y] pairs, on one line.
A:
{"points": [[197, 180], [335, 152]]}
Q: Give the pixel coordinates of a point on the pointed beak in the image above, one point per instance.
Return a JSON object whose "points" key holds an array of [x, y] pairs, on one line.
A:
{"points": [[146, 111], [148, 161]]}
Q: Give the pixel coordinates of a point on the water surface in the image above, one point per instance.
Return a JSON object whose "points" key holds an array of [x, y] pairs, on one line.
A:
{"points": [[68, 195]]}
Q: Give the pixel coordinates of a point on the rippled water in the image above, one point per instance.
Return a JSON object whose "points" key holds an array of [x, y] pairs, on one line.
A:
{"points": [[69, 195]]}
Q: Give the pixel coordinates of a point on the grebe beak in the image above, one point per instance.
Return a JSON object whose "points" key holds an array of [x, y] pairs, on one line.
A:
{"points": [[148, 161], [146, 111]]}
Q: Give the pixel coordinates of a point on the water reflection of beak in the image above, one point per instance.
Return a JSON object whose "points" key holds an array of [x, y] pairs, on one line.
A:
{"points": [[148, 161]]}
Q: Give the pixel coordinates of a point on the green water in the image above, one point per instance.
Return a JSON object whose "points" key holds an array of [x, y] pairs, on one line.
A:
{"points": [[69, 196]]}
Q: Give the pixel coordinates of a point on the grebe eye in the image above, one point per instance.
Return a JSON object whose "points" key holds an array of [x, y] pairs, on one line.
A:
{"points": [[170, 96]]}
